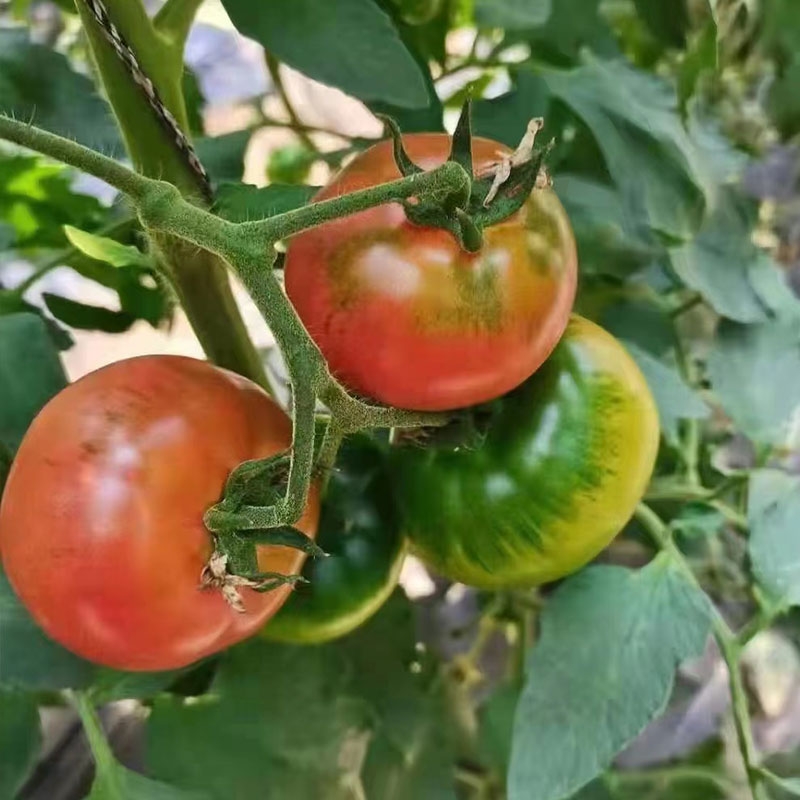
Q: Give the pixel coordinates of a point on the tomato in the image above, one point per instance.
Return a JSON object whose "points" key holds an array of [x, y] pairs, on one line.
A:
{"points": [[101, 523], [360, 530], [405, 316], [564, 460]]}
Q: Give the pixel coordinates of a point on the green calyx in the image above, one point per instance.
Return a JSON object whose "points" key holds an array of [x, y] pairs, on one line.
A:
{"points": [[492, 196]]}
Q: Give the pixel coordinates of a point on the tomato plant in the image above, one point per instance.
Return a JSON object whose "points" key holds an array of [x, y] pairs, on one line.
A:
{"points": [[517, 584], [101, 525], [446, 328], [562, 464], [360, 530]]}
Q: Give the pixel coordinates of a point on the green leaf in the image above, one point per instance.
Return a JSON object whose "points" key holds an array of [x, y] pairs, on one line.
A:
{"points": [[20, 740], [242, 202], [107, 250], [668, 22], [350, 44], [411, 755], [611, 639], [30, 374], [496, 720], [31, 660], [223, 156], [649, 154], [700, 57], [296, 727], [512, 14], [36, 200], [115, 782], [739, 280], [85, 317], [773, 511], [613, 236], [674, 399], [38, 85], [755, 374]]}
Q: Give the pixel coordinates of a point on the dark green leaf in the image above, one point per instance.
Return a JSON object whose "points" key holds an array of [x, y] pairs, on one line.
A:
{"points": [[611, 639], [297, 728], [755, 373], [512, 14], [674, 399], [738, 280], [668, 22], [115, 782], [39, 86], [497, 726], [30, 374], [639, 322], [31, 660], [700, 57], [339, 43], [505, 118], [241, 202], [613, 236], [86, 317], [19, 740], [773, 512], [411, 755], [223, 156]]}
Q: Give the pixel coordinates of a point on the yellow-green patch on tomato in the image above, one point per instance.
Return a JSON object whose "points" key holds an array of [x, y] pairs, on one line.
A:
{"points": [[564, 461]]}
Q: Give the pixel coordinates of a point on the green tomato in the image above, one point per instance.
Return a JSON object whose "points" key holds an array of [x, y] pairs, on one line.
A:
{"points": [[563, 462], [290, 164], [360, 530]]}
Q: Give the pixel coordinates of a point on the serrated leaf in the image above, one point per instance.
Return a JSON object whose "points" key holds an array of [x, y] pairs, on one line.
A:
{"points": [[85, 317], [512, 14], [20, 739], [773, 512], [611, 639], [738, 280], [674, 399], [336, 43], [38, 85], [755, 374], [612, 235], [107, 250], [242, 202], [634, 118], [30, 374]]}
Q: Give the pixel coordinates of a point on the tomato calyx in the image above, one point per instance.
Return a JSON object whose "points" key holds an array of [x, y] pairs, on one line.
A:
{"points": [[497, 192], [252, 487]]}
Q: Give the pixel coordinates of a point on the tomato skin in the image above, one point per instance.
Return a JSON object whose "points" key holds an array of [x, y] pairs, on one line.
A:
{"points": [[404, 316], [101, 522], [566, 458], [360, 530]]}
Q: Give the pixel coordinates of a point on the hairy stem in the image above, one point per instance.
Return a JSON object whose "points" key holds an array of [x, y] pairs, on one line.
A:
{"points": [[729, 648]]}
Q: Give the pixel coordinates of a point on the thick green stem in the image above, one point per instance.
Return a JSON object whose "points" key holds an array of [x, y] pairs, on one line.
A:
{"points": [[729, 648], [200, 280]]}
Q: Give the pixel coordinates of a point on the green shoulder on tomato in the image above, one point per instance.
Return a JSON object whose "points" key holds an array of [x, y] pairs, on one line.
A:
{"points": [[360, 531], [563, 462]]}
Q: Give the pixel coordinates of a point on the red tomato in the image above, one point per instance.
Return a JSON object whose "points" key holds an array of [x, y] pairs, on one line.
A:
{"points": [[405, 316], [101, 523]]}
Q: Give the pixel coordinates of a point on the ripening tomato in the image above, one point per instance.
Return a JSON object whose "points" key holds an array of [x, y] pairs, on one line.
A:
{"points": [[565, 459], [403, 315], [101, 522]]}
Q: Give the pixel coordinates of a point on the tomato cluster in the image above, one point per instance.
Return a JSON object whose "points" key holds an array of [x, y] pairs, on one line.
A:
{"points": [[101, 522]]}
